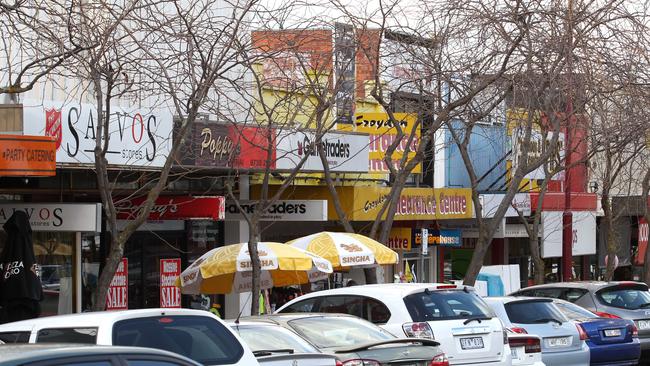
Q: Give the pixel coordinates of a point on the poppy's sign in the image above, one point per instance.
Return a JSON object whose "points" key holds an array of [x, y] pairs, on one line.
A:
{"points": [[117, 297], [170, 295], [174, 208], [23, 156]]}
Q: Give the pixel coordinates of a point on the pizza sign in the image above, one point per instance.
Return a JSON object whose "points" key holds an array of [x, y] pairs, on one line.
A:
{"points": [[170, 295], [117, 297]]}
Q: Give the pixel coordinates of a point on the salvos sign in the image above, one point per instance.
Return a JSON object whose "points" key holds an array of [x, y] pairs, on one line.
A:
{"points": [[289, 210], [84, 217], [344, 152], [138, 136]]}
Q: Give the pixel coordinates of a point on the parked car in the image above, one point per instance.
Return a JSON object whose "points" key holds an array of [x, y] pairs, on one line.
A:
{"points": [[526, 349], [274, 345], [562, 343], [455, 316], [53, 354], [611, 341], [196, 334], [356, 342], [624, 299]]}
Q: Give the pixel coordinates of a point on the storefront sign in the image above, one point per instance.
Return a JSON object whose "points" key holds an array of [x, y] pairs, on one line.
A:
{"points": [[170, 295], [344, 152], [138, 136], [584, 233], [399, 238], [290, 210], [491, 202], [382, 134], [440, 238], [643, 241], [27, 156], [174, 208], [414, 203], [226, 146], [84, 217], [117, 297], [552, 234]]}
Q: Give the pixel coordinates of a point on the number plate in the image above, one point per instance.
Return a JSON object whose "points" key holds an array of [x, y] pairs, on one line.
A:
{"points": [[471, 343], [612, 332], [643, 324], [558, 342], [516, 351]]}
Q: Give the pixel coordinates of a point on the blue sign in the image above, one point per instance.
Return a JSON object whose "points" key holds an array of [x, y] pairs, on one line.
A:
{"points": [[442, 238]]}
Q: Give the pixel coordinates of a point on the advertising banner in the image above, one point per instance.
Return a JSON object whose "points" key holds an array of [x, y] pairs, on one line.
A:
{"points": [[643, 241], [440, 238], [174, 208], [83, 217], [117, 297], [399, 238], [286, 210], [27, 156], [345, 152], [552, 234], [382, 134], [584, 233], [491, 202], [170, 295], [139, 137]]}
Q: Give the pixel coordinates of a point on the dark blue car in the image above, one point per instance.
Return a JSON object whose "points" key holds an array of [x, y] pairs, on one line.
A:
{"points": [[611, 341]]}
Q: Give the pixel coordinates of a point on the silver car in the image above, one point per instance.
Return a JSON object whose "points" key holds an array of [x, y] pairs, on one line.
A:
{"points": [[562, 344], [624, 299]]}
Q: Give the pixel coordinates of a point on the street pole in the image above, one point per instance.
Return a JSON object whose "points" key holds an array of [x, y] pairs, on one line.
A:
{"points": [[567, 218]]}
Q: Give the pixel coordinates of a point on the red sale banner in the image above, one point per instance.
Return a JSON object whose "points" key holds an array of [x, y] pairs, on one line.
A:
{"points": [[643, 241], [170, 295], [117, 297]]}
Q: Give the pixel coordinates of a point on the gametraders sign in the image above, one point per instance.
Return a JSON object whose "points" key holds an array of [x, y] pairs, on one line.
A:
{"points": [[138, 136], [287, 210], [345, 152]]}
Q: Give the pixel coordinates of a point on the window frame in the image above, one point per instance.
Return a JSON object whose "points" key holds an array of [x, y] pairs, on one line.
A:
{"points": [[38, 332]]}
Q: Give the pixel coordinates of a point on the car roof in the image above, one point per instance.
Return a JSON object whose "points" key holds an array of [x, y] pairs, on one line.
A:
{"points": [[384, 289], [95, 319], [283, 318], [587, 285], [45, 351], [509, 299]]}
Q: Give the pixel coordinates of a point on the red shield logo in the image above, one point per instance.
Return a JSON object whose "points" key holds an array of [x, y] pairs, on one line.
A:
{"points": [[53, 125]]}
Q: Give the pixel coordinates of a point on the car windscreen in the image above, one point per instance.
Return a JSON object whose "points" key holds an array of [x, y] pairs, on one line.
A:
{"points": [[332, 332], [631, 298], [200, 338], [445, 305], [269, 338], [574, 312], [533, 312]]}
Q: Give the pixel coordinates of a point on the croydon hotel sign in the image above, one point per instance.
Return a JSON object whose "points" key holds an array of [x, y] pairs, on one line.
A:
{"points": [[138, 136]]}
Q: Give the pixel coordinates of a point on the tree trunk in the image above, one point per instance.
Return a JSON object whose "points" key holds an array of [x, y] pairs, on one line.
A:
{"points": [[538, 261], [253, 228], [474, 268], [610, 237], [106, 274]]}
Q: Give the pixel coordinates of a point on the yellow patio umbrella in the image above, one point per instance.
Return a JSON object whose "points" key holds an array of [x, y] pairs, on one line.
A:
{"points": [[228, 269], [346, 249]]}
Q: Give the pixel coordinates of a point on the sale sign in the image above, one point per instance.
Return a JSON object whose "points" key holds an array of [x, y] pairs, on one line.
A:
{"points": [[643, 241], [170, 295], [117, 297]]}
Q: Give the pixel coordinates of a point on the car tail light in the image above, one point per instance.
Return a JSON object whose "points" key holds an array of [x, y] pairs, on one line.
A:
{"points": [[439, 360], [505, 336], [519, 330], [634, 330], [583, 334], [442, 287], [606, 315], [360, 362], [418, 330], [339, 363], [530, 344]]}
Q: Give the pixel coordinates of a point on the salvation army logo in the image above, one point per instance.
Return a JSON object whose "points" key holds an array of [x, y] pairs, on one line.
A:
{"points": [[53, 125]]}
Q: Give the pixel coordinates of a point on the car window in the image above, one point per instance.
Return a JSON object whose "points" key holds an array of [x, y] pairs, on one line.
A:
{"points": [[89, 363], [573, 294], [200, 338], [548, 292], [67, 335], [444, 305], [574, 312], [352, 305], [533, 312], [525, 293], [625, 297], [376, 312], [305, 306], [14, 337], [152, 363], [268, 338], [331, 331]]}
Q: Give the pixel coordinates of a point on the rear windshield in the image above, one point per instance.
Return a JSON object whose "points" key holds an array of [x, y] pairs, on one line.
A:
{"points": [[533, 312], [270, 338], [200, 338], [445, 305], [630, 298], [326, 332], [574, 312]]}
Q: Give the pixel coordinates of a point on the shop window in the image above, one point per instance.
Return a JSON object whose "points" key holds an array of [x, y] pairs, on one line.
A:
{"points": [[67, 335], [54, 253]]}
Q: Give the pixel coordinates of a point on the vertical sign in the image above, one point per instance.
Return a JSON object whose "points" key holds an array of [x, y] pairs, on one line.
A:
{"points": [[170, 295], [643, 240], [425, 241], [344, 54], [117, 297]]}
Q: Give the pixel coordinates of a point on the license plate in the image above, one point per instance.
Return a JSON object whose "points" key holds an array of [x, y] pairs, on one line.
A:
{"points": [[612, 332], [471, 343], [558, 342], [643, 324], [516, 351]]}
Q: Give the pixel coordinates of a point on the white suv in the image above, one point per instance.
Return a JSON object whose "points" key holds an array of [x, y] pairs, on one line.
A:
{"points": [[196, 334], [455, 316]]}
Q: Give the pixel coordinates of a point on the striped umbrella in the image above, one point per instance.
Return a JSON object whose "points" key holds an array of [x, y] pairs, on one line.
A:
{"points": [[346, 249], [228, 269]]}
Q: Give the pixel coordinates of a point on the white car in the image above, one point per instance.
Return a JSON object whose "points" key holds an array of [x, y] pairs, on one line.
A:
{"points": [[196, 334], [455, 316]]}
